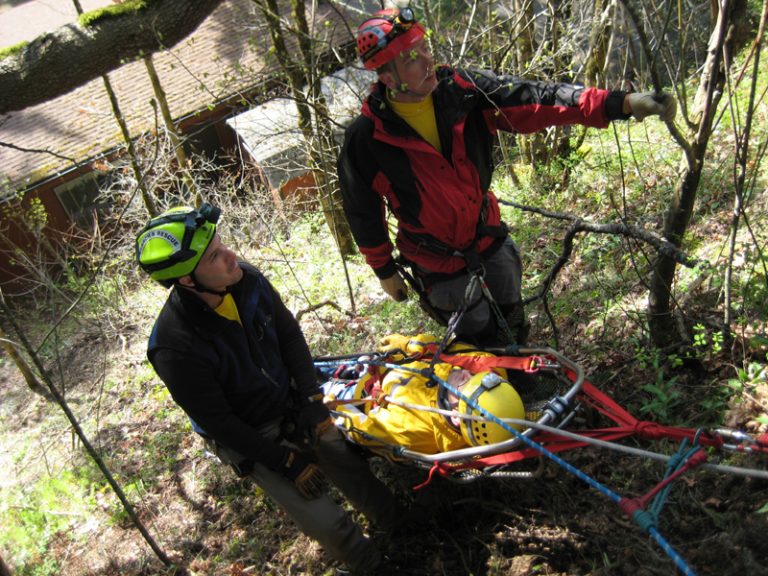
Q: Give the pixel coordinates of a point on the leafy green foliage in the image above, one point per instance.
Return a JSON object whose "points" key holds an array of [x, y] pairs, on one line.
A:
{"points": [[749, 378], [12, 50], [664, 397]]}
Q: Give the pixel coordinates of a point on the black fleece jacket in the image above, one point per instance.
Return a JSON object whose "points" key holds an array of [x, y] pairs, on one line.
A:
{"points": [[229, 378]]}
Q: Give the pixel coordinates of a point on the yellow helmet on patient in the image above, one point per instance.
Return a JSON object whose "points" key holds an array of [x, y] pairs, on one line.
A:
{"points": [[496, 396]]}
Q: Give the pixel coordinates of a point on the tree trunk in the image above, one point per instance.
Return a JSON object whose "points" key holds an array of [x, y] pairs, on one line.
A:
{"points": [[29, 376], [524, 34], [89, 448], [323, 155], [149, 202], [178, 147], [4, 569], [661, 323], [598, 43], [57, 62], [320, 138], [531, 145]]}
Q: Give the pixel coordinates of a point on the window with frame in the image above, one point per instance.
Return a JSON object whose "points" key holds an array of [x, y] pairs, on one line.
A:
{"points": [[79, 197]]}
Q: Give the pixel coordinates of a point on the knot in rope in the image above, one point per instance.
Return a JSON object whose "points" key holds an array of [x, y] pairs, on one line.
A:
{"points": [[644, 519], [633, 508], [697, 458], [649, 430], [676, 460]]}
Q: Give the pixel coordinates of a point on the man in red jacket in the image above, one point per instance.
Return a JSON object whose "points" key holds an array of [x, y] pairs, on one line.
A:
{"points": [[423, 147]]}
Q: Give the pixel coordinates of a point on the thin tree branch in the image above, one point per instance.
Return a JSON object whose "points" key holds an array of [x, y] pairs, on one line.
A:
{"points": [[38, 151], [656, 79], [78, 430], [578, 226]]}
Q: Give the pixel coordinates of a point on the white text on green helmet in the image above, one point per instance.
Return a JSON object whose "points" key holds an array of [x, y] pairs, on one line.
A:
{"points": [[159, 233]]}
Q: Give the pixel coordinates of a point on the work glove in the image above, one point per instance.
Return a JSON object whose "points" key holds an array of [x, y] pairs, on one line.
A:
{"points": [[394, 343], [642, 104], [381, 398], [308, 478], [314, 419], [395, 287]]}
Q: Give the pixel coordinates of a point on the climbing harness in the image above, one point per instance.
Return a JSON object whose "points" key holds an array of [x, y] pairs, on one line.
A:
{"points": [[476, 289]]}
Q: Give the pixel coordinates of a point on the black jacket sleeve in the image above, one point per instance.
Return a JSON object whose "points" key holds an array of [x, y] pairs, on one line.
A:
{"points": [[195, 387], [527, 106]]}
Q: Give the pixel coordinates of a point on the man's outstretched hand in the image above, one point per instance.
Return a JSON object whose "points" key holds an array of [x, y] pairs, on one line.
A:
{"points": [[642, 104]]}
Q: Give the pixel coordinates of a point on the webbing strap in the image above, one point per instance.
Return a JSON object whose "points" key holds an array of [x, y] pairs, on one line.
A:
{"points": [[438, 468], [475, 364], [426, 241], [643, 428]]}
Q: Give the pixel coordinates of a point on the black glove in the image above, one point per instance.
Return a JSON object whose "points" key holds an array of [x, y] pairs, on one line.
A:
{"points": [[308, 478], [314, 418]]}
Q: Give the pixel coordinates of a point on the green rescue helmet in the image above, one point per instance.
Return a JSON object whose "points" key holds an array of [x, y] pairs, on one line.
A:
{"points": [[171, 245]]}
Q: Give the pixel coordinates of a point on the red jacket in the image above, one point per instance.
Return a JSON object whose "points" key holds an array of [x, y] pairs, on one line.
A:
{"points": [[439, 196]]}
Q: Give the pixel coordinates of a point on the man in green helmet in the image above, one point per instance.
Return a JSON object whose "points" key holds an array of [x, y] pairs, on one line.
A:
{"points": [[234, 358]]}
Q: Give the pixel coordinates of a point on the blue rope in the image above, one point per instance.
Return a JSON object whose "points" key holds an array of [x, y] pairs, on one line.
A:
{"points": [[676, 462], [671, 552]]}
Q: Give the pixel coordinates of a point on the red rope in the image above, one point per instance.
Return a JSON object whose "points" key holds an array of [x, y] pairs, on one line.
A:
{"points": [[642, 428], [696, 459], [438, 467]]}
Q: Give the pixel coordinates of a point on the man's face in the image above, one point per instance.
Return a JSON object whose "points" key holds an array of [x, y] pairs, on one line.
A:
{"points": [[415, 68], [218, 267]]}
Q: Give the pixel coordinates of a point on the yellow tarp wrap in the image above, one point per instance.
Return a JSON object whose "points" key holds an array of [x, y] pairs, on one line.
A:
{"points": [[418, 430]]}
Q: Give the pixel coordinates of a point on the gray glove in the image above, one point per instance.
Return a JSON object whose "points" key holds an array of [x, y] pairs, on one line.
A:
{"points": [[642, 104], [395, 287]]}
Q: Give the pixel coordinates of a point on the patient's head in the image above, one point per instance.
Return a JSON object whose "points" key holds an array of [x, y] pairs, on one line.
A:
{"points": [[484, 393]]}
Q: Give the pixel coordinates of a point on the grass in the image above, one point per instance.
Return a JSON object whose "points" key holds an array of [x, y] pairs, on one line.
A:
{"points": [[33, 515]]}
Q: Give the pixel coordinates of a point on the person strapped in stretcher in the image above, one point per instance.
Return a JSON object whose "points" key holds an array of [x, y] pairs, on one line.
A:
{"points": [[392, 403]]}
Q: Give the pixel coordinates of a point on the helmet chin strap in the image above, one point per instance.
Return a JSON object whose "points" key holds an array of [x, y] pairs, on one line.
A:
{"points": [[200, 288], [400, 89]]}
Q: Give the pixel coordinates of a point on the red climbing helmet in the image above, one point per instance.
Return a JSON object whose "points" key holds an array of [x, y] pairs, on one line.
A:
{"points": [[386, 34]]}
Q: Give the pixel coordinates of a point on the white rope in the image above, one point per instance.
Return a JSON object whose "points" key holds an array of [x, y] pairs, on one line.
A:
{"points": [[747, 472]]}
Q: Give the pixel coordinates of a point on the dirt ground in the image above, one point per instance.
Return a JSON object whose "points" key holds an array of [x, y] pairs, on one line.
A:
{"points": [[212, 523]]}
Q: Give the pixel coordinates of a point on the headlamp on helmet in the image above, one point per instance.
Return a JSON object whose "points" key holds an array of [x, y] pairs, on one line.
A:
{"points": [[386, 34], [496, 396], [171, 245]]}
